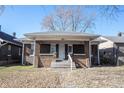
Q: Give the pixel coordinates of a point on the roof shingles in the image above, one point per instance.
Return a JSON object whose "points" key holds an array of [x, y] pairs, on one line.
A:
{"points": [[8, 38], [115, 39]]}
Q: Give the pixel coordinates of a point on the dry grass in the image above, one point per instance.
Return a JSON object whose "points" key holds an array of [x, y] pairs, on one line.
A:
{"points": [[28, 77]]}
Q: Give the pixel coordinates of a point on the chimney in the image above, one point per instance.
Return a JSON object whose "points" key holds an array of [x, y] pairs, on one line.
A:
{"points": [[14, 34], [120, 34]]}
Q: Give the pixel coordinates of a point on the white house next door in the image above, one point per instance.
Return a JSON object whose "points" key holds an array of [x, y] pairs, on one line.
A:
{"points": [[61, 51]]}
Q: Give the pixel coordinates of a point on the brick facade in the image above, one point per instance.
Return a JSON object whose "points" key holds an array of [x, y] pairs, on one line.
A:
{"points": [[44, 60], [27, 58], [82, 60]]}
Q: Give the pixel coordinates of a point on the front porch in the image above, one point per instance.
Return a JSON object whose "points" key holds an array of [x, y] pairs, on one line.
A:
{"points": [[55, 53], [43, 48]]}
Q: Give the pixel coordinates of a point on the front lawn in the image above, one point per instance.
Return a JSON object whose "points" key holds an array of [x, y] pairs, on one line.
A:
{"points": [[27, 77], [14, 67]]}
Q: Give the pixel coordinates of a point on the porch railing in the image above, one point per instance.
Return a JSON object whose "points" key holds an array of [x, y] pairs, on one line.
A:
{"points": [[70, 61]]}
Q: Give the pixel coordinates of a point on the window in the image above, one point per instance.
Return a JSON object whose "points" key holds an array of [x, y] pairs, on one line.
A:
{"points": [[45, 48], [32, 49], [9, 47], [78, 49], [19, 53]]}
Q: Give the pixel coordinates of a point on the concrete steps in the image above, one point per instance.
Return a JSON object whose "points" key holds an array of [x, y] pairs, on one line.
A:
{"points": [[62, 64]]}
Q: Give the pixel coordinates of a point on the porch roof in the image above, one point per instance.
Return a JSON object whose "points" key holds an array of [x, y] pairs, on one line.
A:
{"points": [[1, 40], [98, 40], [61, 35]]}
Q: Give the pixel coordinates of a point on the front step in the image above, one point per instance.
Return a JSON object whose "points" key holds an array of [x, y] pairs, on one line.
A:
{"points": [[62, 64]]}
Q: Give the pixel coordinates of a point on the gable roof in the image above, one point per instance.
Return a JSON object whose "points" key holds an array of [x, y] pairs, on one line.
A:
{"points": [[98, 40], [115, 39], [8, 38]]}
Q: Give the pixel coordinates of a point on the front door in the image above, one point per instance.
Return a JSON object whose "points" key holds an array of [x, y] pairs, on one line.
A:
{"points": [[61, 51], [66, 51], [57, 50]]}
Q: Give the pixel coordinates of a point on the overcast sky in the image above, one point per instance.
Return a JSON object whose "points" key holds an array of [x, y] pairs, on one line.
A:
{"points": [[24, 19]]}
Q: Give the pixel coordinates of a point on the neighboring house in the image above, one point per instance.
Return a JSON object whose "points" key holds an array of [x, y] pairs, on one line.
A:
{"points": [[10, 49], [113, 49], [43, 49]]}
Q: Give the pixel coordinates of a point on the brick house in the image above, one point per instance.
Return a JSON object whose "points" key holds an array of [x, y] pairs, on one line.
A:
{"points": [[43, 49], [10, 49]]}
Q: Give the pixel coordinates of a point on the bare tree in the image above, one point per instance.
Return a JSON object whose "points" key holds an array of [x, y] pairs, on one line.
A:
{"points": [[110, 11], [68, 18], [73, 18]]}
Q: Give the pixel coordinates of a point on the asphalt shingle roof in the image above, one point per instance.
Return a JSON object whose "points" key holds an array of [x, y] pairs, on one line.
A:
{"points": [[115, 39], [8, 38]]}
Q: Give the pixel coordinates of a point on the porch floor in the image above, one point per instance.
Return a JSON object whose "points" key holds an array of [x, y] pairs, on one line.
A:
{"points": [[62, 64]]}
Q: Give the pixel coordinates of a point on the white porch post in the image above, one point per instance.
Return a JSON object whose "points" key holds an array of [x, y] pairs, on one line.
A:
{"points": [[89, 54], [98, 55], [23, 54], [34, 53]]}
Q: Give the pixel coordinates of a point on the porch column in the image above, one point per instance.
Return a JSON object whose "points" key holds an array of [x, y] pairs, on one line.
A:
{"points": [[98, 54], [23, 54], [36, 54], [87, 52]]}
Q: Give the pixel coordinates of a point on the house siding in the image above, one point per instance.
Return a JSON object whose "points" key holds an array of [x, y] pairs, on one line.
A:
{"points": [[120, 54], [114, 52], [10, 56], [107, 52]]}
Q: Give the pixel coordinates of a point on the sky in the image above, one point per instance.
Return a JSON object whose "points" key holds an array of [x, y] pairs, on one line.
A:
{"points": [[25, 19]]}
